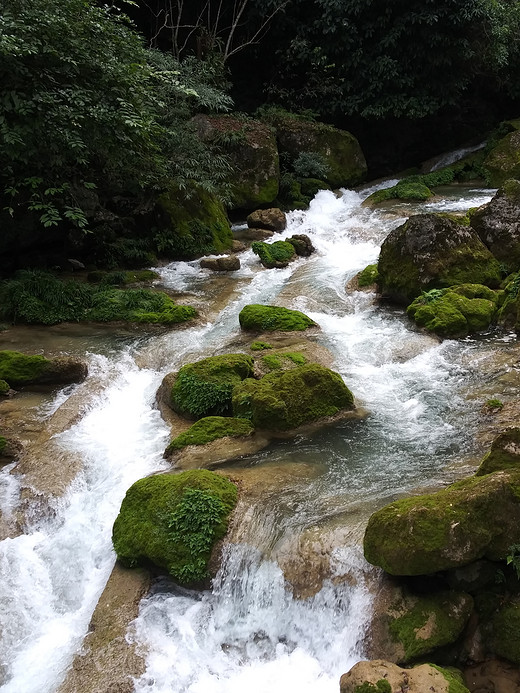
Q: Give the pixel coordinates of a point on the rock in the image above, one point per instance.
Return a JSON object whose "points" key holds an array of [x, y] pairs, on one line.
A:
{"points": [[455, 312], [498, 224], [283, 400], [270, 318], [336, 151], [274, 255], [272, 219], [506, 631], [433, 251], [493, 676], [379, 676], [504, 453], [503, 161], [414, 191], [253, 155], [238, 246], [174, 521], [228, 263], [19, 369], [4, 388], [209, 429], [256, 234], [192, 223], [10, 449], [204, 388], [475, 518], [302, 244], [368, 277]]}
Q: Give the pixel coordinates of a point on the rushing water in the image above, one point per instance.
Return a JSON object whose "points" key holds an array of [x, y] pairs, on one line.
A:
{"points": [[248, 632]]}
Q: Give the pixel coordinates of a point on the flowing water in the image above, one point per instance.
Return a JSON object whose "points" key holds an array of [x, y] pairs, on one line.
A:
{"points": [[249, 632]]}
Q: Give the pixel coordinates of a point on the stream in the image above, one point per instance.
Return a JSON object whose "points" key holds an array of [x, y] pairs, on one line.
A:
{"points": [[250, 632]]}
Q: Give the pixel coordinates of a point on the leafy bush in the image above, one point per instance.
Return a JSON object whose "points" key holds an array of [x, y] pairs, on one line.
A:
{"points": [[310, 165]]}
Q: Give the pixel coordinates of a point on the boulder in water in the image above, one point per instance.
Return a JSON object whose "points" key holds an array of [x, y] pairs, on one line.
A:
{"points": [[272, 219], [174, 521], [262, 318], [278, 254], [228, 263], [286, 399], [433, 251], [302, 244], [379, 676], [504, 453], [475, 518], [503, 161], [498, 224], [211, 428], [19, 369]]}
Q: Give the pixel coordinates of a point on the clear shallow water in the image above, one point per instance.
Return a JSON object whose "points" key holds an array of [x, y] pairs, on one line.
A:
{"points": [[249, 632]]}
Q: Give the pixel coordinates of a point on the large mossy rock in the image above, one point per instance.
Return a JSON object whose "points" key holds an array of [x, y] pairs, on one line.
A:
{"points": [[498, 224], [277, 254], [433, 251], [19, 369], [174, 521], [272, 219], [338, 151], [379, 676], [251, 148], [283, 400], [471, 519], [506, 631], [211, 428], [503, 161], [455, 312], [412, 191], [504, 453], [192, 223], [204, 388], [260, 318]]}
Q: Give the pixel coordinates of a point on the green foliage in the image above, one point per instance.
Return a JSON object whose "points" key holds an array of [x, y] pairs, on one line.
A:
{"points": [[277, 254], [260, 346], [431, 296], [310, 165], [494, 404], [513, 558], [122, 277], [407, 189], [454, 678], [204, 388], [270, 318], [174, 520], [208, 429], [36, 297]]}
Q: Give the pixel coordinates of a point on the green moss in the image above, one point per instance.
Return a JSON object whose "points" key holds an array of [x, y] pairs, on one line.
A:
{"points": [[504, 453], [381, 686], [204, 388], [455, 312], [285, 399], [471, 519], [311, 186], [269, 318], [4, 387], [208, 429], [368, 276], [454, 677], [408, 189], [434, 621], [19, 369], [272, 362], [195, 223], [277, 254], [494, 404], [174, 521], [506, 632], [296, 357], [503, 161], [40, 298], [260, 346]]}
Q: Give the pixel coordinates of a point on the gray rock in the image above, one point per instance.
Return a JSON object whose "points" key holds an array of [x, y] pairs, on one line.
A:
{"points": [[273, 219], [226, 263]]}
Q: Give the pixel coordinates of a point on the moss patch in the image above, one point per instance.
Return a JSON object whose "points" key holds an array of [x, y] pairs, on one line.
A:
{"points": [[120, 278], [503, 161], [454, 678], [282, 400], [272, 362], [174, 521], [277, 254], [368, 276], [260, 346], [204, 388], [433, 622], [506, 632], [270, 318], [19, 369], [210, 428], [408, 189], [504, 453], [4, 387]]}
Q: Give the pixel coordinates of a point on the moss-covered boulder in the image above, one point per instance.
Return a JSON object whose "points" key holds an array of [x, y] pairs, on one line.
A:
{"points": [[504, 453], [285, 399], [174, 521], [251, 148], [367, 277], [302, 244], [427, 623], [261, 318], [337, 152], [433, 251], [498, 224], [471, 519], [503, 161], [413, 191], [192, 223], [272, 219], [455, 312], [19, 369], [277, 254], [4, 388], [208, 429], [379, 676], [506, 632], [204, 388]]}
